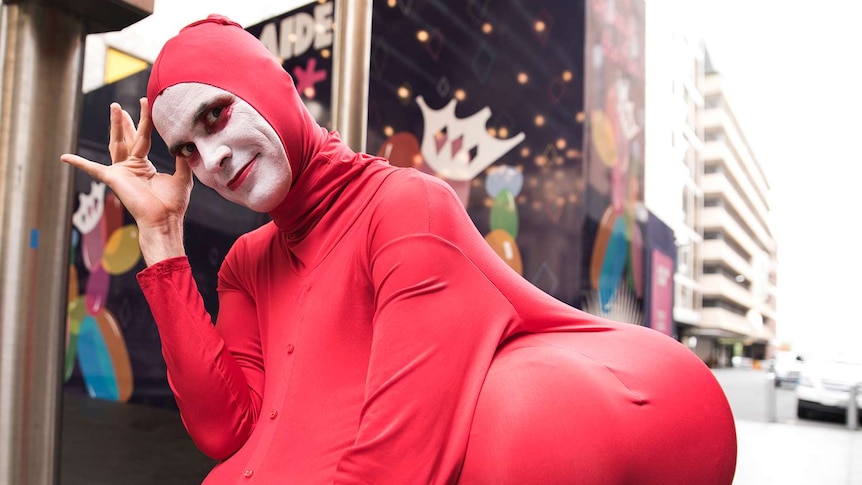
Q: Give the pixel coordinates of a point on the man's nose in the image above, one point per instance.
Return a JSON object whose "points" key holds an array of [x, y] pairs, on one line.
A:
{"points": [[214, 156]]}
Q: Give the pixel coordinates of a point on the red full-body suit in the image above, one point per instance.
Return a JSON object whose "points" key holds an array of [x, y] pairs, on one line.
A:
{"points": [[369, 334]]}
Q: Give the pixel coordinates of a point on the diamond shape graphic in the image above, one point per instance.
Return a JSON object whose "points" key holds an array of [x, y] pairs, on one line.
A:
{"points": [[406, 6], [545, 279], [443, 87], [435, 44], [556, 90], [478, 9], [483, 62], [379, 58]]}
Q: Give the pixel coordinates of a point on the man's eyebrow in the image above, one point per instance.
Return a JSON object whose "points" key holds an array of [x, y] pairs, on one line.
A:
{"points": [[172, 150], [202, 109], [199, 113]]}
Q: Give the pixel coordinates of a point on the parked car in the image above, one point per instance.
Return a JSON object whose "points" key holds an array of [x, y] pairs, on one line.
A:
{"points": [[824, 387], [786, 366]]}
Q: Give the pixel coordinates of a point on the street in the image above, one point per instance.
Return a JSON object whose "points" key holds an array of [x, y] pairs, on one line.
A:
{"points": [[788, 451], [747, 391]]}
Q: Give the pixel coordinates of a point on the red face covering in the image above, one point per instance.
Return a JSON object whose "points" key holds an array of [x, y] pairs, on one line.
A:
{"points": [[219, 52]]}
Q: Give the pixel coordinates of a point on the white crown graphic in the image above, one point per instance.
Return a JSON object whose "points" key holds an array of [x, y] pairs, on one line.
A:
{"points": [[447, 142], [90, 209]]}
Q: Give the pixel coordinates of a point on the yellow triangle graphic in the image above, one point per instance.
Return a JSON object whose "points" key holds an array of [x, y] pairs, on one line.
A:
{"points": [[119, 65]]}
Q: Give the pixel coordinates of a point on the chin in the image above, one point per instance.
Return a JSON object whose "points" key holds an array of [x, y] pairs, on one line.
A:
{"points": [[262, 207], [261, 199], [263, 204]]}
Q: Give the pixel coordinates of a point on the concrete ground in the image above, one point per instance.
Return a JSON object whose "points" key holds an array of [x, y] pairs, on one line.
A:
{"points": [[105, 443]]}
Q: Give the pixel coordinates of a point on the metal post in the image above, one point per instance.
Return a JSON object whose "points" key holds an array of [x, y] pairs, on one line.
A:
{"points": [[40, 96], [852, 410], [351, 58], [771, 398]]}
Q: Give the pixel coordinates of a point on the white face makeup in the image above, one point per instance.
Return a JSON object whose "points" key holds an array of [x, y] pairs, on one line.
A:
{"points": [[229, 146]]}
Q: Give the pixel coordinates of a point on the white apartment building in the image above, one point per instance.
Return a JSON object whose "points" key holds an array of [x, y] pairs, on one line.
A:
{"points": [[703, 180], [739, 248]]}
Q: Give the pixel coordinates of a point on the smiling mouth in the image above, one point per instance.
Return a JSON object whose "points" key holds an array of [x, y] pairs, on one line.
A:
{"points": [[240, 176]]}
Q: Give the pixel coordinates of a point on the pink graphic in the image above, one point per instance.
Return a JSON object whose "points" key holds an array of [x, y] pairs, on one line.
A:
{"points": [[661, 304], [92, 247], [307, 79], [97, 289]]}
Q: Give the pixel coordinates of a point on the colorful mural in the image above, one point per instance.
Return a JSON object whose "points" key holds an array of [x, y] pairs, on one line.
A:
{"points": [[614, 82], [94, 339], [494, 91]]}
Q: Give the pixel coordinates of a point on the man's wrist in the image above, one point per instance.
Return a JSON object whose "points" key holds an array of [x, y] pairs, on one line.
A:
{"points": [[161, 242]]}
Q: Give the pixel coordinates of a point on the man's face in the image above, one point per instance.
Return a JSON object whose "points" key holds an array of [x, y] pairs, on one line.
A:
{"points": [[229, 146]]}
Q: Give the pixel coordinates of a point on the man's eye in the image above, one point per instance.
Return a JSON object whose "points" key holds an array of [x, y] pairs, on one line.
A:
{"points": [[188, 149], [214, 114]]}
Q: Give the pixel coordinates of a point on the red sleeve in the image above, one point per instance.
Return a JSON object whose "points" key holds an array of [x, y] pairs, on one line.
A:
{"points": [[215, 372], [437, 324]]}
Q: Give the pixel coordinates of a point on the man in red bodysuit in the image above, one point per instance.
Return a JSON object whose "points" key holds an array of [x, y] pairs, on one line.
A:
{"points": [[369, 334]]}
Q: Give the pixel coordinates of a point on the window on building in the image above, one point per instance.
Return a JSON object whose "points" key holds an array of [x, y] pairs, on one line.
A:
{"points": [[713, 202], [712, 302], [713, 102], [713, 168], [713, 134]]}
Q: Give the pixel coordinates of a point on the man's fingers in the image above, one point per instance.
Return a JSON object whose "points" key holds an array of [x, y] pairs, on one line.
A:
{"points": [[128, 128], [141, 147], [93, 169], [116, 145]]}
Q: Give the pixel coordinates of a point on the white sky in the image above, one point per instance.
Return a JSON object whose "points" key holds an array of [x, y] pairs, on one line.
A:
{"points": [[792, 76]]}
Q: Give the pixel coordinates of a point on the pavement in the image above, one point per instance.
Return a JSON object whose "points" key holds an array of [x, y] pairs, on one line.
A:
{"points": [[107, 443], [795, 453]]}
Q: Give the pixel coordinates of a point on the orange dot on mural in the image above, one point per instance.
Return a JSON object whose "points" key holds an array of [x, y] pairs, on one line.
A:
{"points": [[402, 150], [504, 245]]}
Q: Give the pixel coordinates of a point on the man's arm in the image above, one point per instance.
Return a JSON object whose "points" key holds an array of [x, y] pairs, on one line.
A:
{"points": [[215, 372]]}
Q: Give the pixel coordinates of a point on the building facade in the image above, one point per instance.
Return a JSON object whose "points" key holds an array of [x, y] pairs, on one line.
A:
{"points": [[704, 181], [739, 257]]}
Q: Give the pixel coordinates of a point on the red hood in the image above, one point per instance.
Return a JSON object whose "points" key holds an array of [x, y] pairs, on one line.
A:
{"points": [[219, 52]]}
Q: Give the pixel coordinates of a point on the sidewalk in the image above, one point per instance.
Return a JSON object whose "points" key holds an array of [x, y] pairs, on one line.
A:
{"points": [[106, 443], [797, 454]]}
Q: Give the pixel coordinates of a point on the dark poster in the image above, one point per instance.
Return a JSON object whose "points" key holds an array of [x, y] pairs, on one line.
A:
{"points": [[113, 347], [614, 157], [489, 96]]}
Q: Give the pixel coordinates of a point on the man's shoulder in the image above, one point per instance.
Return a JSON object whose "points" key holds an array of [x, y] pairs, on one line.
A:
{"points": [[408, 186]]}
